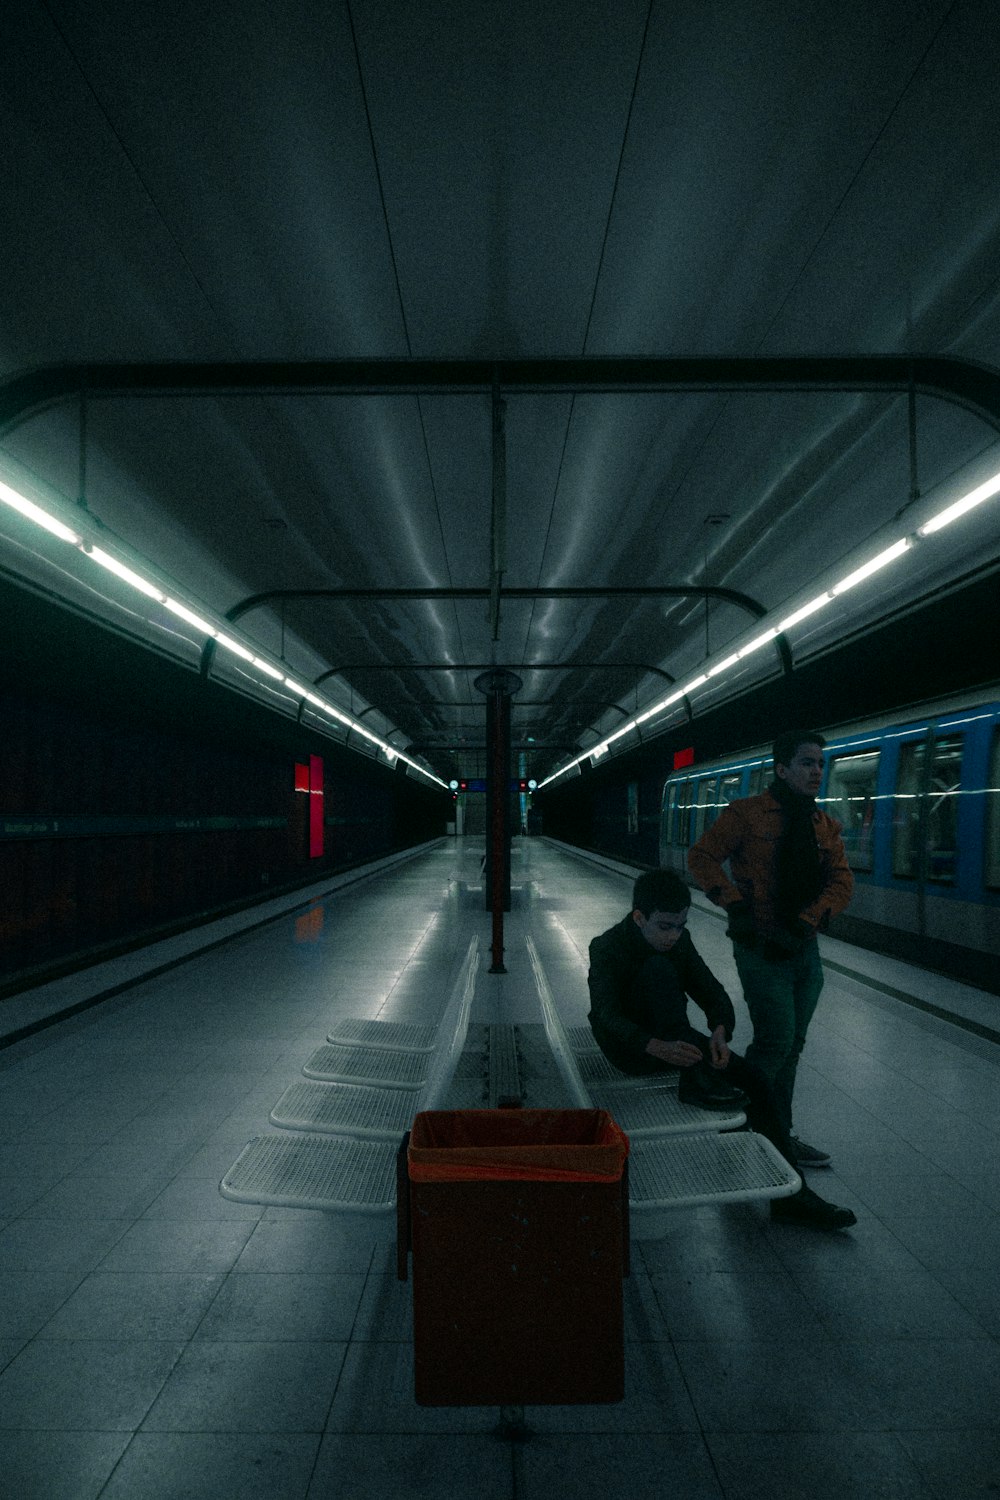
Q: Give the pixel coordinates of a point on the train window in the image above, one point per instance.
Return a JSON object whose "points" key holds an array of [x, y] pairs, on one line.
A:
{"points": [[682, 813], [729, 788], [850, 792], [991, 873], [705, 815], [906, 811], [757, 779], [666, 822], [925, 810]]}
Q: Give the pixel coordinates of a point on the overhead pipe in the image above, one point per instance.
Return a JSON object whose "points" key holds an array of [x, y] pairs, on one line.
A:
{"points": [[962, 382]]}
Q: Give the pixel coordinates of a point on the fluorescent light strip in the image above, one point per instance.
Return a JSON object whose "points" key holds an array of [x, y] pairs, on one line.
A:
{"points": [[757, 642], [723, 666], [57, 528], [40, 517], [33, 512], [265, 666], [889, 555], [183, 613], [658, 708], [121, 571], [984, 491], [805, 611], [771, 633], [233, 646]]}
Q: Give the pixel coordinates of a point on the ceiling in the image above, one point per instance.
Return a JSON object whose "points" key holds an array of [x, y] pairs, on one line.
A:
{"points": [[500, 182]]}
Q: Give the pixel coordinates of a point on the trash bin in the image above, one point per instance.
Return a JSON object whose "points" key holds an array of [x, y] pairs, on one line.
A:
{"points": [[518, 1224]]}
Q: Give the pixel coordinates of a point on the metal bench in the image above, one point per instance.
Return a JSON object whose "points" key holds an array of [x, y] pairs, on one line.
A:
{"points": [[343, 1154], [399, 1036], [680, 1156], [334, 1063]]}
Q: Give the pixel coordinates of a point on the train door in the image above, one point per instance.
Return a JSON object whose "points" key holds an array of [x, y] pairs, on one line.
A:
{"points": [[681, 836], [675, 824], [852, 779], [706, 807], [666, 817], [730, 790], [925, 827], [758, 779], [991, 817]]}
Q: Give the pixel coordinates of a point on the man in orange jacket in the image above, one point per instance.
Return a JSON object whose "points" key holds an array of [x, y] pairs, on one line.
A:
{"points": [[788, 875]]}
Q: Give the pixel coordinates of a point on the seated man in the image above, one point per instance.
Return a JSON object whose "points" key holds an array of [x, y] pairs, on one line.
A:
{"points": [[642, 972]]}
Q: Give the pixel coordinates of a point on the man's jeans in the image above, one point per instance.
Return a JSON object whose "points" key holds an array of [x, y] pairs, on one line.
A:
{"points": [[781, 997], [666, 1009]]}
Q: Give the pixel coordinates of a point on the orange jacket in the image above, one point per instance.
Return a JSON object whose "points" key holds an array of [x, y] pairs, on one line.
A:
{"points": [[746, 833]]}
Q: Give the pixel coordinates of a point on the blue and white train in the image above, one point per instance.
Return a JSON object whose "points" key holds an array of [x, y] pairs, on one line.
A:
{"points": [[918, 796]]}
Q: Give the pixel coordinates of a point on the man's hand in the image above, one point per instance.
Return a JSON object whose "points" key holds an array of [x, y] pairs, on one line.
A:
{"points": [[741, 928], [720, 1048], [788, 941], [677, 1054]]}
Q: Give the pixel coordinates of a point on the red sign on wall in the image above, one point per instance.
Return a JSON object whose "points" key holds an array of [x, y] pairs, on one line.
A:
{"points": [[315, 806], [683, 757]]}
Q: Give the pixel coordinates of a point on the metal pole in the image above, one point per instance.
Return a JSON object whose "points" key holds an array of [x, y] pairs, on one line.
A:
{"points": [[498, 684], [499, 732]]}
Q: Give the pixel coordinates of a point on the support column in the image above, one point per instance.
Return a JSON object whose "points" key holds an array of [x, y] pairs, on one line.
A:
{"points": [[498, 685]]}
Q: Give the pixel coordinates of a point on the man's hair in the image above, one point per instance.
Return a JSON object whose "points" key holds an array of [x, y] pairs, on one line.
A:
{"points": [[660, 890], [786, 745]]}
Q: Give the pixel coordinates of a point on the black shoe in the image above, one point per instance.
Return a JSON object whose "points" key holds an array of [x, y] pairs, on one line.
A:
{"points": [[809, 1209], [709, 1091], [808, 1156]]}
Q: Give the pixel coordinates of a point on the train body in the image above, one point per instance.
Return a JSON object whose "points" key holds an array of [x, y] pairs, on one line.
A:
{"points": [[918, 797]]}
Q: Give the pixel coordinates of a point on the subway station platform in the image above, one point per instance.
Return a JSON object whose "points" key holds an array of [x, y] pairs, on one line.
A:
{"points": [[158, 1340]]}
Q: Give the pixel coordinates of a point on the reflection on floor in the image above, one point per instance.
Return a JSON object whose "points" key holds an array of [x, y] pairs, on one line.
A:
{"points": [[157, 1340]]}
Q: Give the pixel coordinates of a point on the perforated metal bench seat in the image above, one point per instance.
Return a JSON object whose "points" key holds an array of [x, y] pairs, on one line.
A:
{"points": [[658, 1110], [336, 1174], [649, 1109], [682, 1171], [400, 1036], [581, 1039], [334, 1063], [311, 1171], [346, 1109], [347, 1133], [594, 1067]]}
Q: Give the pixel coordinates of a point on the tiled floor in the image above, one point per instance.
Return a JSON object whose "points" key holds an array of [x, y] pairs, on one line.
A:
{"points": [[159, 1341]]}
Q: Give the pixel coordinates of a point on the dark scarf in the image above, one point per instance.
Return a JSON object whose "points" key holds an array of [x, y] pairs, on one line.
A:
{"points": [[799, 874]]}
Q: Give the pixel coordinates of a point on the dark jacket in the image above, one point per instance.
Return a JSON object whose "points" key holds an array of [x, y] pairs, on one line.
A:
{"points": [[623, 1016], [746, 834]]}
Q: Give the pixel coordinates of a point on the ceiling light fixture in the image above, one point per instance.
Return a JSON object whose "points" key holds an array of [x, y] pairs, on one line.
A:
{"points": [[757, 643], [96, 554], [183, 613], [267, 669], [723, 666], [42, 518], [984, 491], [804, 613], [890, 554], [229, 644]]}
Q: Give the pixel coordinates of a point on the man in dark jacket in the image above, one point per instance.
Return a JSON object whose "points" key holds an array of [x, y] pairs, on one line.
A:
{"points": [[642, 972], [777, 866]]}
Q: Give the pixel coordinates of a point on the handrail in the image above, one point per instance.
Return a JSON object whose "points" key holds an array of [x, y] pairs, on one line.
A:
{"points": [[555, 1032], [445, 1057]]}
